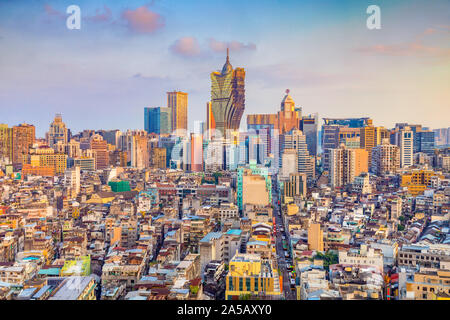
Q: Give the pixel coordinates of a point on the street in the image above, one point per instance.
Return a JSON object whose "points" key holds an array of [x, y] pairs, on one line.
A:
{"points": [[288, 292]]}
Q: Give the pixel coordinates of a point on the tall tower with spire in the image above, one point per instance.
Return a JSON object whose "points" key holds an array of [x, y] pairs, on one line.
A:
{"points": [[228, 97]]}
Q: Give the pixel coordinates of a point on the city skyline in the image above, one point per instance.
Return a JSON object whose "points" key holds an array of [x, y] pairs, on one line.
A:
{"points": [[125, 58]]}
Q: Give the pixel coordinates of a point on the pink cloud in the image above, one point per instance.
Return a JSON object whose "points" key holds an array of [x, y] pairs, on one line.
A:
{"points": [[52, 12], [186, 46], [413, 48], [143, 20], [221, 46]]}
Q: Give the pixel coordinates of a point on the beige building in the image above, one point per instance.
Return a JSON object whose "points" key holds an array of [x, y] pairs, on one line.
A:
{"points": [[254, 190]]}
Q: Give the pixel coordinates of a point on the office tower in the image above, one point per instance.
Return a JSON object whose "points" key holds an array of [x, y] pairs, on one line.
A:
{"points": [[289, 162], [330, 140], [111, 136], [210, 123], [315, 237], [72, 178], [349, 122], [158, 120], [346, 164], [406, 147], [350, 137], [289, 116], [158, 158], [24, 136], [442, 136], [196, 152], [199, 127], [6, 143], [296, 140], [308, 125], [100, 148], [295, 186], [368, 138], [57, 132], [426, 142], [385, 158], [177, 102], [228, 97], [85, 163], [139, 149], [168, 143]]}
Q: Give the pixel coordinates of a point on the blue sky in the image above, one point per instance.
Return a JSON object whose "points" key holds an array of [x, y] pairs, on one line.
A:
{"points": [[128, 54]]}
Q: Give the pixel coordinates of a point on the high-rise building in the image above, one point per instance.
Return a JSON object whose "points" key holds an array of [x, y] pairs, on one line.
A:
{"points": [[308, 125], [346, 164], [228, 97], [385, 158], [100, 148], [368, 139], [289, 163], [6, 143], [210, 123], [426, 142], [296, 140], [158, 159], [72, 178], [58, 132], [158, 120], [196, 152], [24, 136], [177, 102], [406, 147], [296, 185]]}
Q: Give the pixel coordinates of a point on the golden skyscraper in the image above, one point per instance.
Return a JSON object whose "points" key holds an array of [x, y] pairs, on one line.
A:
{"points": [[228, 97], [177, 101]]}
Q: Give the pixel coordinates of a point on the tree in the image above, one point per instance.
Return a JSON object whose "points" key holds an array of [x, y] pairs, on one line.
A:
{"points": [[328, 258]]}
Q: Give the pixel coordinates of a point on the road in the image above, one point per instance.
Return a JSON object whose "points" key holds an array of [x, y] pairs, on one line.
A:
{"points": [[288, 292]]}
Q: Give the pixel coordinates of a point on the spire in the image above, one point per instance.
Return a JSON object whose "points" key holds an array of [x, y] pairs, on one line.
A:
{"points": [[227, 66]]}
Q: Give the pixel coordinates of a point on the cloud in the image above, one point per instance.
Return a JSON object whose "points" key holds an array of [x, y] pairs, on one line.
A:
{"points": [[99, 16], [143, 20], [412, 48], [221, 46], [52, 12], [186, 46]]}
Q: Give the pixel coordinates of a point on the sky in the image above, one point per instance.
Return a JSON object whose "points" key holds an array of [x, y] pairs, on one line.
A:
{"points": [[128, 54]]}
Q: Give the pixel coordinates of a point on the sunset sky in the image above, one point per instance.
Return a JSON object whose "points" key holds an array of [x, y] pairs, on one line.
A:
{"points": [[128, 54]]}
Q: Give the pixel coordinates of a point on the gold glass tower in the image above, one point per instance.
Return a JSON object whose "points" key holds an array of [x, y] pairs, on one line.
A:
{"points": [[177, 101], [228, 97]]}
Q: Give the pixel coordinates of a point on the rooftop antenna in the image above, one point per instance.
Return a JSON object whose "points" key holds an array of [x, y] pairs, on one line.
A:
{"points": [[228, 54]]}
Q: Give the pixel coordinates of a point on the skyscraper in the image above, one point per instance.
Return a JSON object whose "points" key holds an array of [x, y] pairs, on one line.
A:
{"points": [[58, 132], [406, 147], [228, 97], [158, 120], [346, 164], [24, 136], [177, 101], [308, 124], [210, 123], [6, 143], [296, 140], [385, 158], [100, 148]]}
